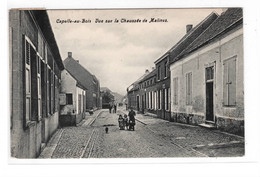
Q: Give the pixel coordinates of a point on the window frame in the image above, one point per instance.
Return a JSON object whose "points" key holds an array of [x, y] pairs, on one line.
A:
{"points": [[188, 88], [226, 82]]}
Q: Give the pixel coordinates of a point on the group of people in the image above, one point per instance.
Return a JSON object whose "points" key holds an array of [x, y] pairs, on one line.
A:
{"points": [[112, 107], [125, 123]]}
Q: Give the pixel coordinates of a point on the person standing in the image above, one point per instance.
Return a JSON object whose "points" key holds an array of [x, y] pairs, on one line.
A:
{"points": [[126, 122], [131, 115], [110, 107], [115, 107]]}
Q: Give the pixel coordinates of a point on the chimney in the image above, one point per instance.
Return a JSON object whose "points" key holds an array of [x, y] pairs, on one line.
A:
{"points": [[146, 71], [188, 28], [69, 54]]}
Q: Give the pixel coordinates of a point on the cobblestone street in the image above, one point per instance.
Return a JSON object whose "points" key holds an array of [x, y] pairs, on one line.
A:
{"points": [[151, 138]]}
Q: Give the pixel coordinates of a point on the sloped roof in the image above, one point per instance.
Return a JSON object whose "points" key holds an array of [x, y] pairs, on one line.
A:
{"points": [[225, 21], [105, 89], [81, 74], [188, 38], [151, 74], [43, 21]]}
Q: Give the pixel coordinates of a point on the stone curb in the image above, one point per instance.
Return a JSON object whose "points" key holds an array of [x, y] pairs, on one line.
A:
{"points": [[95, 117], [49, 149]]}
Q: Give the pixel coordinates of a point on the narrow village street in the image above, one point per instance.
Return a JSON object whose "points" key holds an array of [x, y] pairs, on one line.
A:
{"points": [[151, 138]]}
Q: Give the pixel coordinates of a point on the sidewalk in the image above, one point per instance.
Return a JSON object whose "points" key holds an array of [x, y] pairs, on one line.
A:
{"points": [[90, 118], [53, 142]]}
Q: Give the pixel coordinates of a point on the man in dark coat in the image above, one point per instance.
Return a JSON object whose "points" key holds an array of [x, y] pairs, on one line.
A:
{"points": [[131, 115]]}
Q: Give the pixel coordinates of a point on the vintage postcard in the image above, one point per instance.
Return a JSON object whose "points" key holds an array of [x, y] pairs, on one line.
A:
{"points": [[126, 83]]}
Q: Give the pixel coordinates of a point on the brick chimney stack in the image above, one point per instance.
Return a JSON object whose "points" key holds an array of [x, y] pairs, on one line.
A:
{"points": [[188, 28], [69, 54]]}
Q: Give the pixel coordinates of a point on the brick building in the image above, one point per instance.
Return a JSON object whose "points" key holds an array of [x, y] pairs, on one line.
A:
{"points": [[207, 78], [87, 80], [156, 90], [35, 70], [147, 95], [133, 91]]}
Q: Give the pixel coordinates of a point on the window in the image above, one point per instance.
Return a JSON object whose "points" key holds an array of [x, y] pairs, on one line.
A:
{"points": [[159, 73], [39, 88], [189, 88], [56, 93], [155, 100], [175, 91], [32, 82], [79, 103], [166, 100], [69, 100], [209, 73], [159, 99], [151, 100], [27, 81], [229, 85], [153, 104], [148, 95], [50, 90], [165, 69]]}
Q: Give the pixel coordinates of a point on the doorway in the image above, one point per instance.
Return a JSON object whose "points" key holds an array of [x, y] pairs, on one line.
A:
{"points": [[137, 103], [210, 94]]}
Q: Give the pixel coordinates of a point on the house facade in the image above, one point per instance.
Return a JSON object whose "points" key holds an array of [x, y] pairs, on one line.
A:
{"points": [[86, 80], [155, 98], [207, 78], [133, 93], [146, 99], [163, 87], [35, 70], [72, 100]]}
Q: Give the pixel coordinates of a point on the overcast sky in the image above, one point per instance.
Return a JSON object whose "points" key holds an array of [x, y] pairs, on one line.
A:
{"points": [[118, 53]]}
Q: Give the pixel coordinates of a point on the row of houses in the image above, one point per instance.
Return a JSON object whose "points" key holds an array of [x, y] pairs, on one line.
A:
{"points": [[45, 92], [200, 79]]}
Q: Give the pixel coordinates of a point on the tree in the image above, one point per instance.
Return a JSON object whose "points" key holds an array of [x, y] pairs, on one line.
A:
{"points": [[107, 97]]}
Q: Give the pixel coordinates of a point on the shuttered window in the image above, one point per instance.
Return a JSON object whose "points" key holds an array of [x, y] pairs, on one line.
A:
{"points": [[39, 88], [27, 81], [155, 100], [189, 88], [175, 91], [229, 84], [151, 100]]}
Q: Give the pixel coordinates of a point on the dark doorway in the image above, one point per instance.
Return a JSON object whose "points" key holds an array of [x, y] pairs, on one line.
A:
{"points": [[210, 94], [209, 103], [142, 104], [163, 103], [137, 103]]}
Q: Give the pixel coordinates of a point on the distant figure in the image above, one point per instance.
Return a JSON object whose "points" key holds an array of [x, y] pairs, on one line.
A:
{"points": [[115, 107], [106, 129], [110, 107]]}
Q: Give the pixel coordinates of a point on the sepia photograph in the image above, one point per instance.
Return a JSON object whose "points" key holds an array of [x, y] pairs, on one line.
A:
{"points": [[126, 83]]}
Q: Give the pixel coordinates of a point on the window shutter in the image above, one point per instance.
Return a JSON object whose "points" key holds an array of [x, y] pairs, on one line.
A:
{"points": [[232, 82], [225, 83], [188, 88]]}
